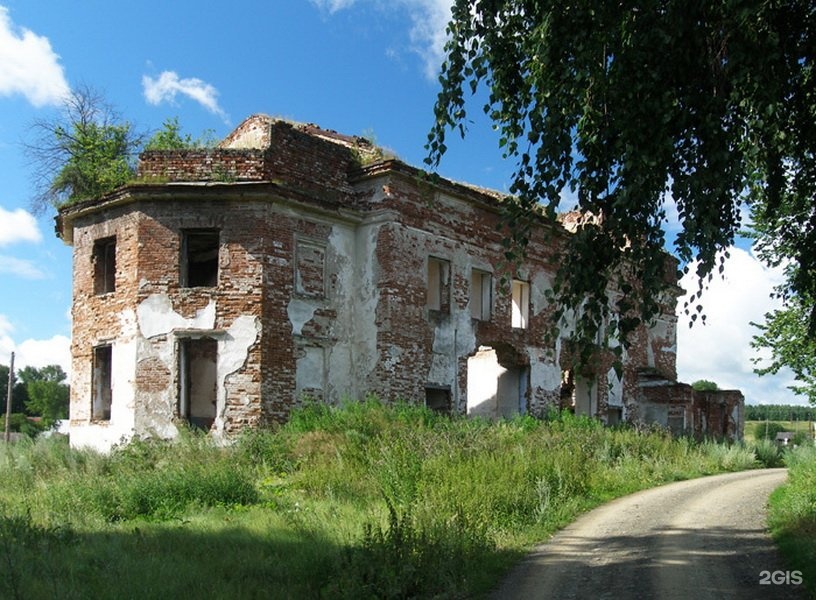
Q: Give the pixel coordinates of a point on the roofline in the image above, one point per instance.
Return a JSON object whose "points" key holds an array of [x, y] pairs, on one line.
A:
{"points": [[394, 165], [137, 192]]}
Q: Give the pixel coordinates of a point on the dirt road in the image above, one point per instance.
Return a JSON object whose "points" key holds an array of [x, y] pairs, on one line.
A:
{"points": [[700, 539]]}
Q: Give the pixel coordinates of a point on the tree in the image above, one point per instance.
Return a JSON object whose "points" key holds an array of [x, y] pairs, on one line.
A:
{"points": [[786, 334], [768, 430], [84, 152], [632, 104], [19, 396], [704, 385], [48, 395]]}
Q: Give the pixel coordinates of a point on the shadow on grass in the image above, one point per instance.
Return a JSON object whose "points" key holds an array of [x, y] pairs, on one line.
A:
{"points": [[797, 542], [174, 560]]}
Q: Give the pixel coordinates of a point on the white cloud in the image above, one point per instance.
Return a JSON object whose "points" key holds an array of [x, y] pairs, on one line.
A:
{"points": [[33, 353], [334, 5], [168, 85], [28, 65], [18, 226], [20, 267], [429, 19], [40, 353], [720, 350]]}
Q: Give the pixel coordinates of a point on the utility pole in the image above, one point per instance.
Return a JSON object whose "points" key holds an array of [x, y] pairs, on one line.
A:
{"points": [[8, 399]]}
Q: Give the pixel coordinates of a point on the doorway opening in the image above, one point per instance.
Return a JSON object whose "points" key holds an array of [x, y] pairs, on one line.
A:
{"points": [[197, 397], [496, 383]]}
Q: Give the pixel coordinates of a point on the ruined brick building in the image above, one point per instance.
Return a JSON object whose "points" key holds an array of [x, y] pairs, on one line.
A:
{"points": [[225, 285]]}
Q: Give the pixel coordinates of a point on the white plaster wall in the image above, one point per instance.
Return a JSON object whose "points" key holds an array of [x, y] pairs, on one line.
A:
{"points": [[102, 435], [483, 375], [664, 334], [149, 333], [339, 359], [311, 370], [614, 394], [156, 316], [509, 397], [363, 299]]}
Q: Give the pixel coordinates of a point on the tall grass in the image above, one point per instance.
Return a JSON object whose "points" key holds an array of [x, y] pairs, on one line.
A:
{"points": [[359, 501], [793, 514]]}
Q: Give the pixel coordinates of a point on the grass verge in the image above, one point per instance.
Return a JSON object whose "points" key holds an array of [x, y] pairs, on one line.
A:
{"points": [[792, 515], [362, 501]]}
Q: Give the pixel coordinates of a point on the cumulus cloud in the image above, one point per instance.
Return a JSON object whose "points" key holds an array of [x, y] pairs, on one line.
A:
{"points": [[429, 18], [40, 353], [720, 350], [33, 353], [20, 267], [168, 85], [28, 65], [18, 226]]}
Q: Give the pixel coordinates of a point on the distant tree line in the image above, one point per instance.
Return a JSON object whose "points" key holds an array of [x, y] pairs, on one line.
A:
{"points": [[39, 398], [779, 412]]}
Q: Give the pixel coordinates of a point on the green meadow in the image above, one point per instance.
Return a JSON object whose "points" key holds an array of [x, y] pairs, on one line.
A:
{"points": [[362, 501]]}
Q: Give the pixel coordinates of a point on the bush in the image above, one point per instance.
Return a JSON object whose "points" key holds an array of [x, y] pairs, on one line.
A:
{"points": [[768, 453], [767, 430], [409, 558]]}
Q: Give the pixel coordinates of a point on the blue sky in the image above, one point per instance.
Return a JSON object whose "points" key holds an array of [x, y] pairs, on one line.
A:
{"points": [[356, 66]]}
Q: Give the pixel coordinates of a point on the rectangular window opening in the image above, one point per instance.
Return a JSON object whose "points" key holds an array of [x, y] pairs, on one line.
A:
{"points": [[614, 415], [102, 384], [481, 294], [197, 396], [438, 399], [199, 257], [521, 304], [104, 265], [438, 291]]}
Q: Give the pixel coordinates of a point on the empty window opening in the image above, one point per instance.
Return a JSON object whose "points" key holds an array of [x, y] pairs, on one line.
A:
{"points": [[102, 384], [481, 289], [495, 390], [567, 396], [199, 258], [197, 381], [521, 304], [676, 423], [614, 415], [104, 265], [438, 399], [438, 284], [310, 269], [586, 401]]}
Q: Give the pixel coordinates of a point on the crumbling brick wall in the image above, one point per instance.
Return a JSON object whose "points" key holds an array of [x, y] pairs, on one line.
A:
{"points": [[323, 284]]}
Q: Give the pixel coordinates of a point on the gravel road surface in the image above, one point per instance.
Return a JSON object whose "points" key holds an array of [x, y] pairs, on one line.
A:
{"points": [[700, 539]]}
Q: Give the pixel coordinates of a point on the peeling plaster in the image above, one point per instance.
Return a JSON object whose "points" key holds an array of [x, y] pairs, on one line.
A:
{"points": [[300, 312], [614, 393], [157, 317], [365, 297], [232, 354]]}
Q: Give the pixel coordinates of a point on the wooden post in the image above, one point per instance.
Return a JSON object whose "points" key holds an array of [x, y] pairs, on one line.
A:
{"points": [[8, 399]]}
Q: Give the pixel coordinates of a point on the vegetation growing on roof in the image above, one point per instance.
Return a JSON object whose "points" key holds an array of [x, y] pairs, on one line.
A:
{"points": [[171, 137], [88, 150]]}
